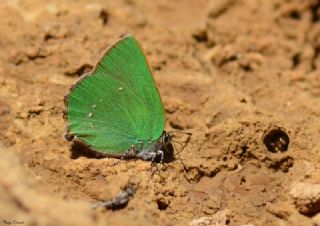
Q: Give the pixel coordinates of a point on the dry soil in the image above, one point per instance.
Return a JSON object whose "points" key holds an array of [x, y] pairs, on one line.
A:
{"points": [[241, 75]]}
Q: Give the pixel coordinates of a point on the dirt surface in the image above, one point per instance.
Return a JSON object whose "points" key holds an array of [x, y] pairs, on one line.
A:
{"points": [[241, 75]]}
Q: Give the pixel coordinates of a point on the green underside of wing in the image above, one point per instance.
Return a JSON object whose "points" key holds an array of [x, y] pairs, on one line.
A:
{"points": [[118, 105]]}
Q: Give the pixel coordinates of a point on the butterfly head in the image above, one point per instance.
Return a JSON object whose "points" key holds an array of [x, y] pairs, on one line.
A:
{"points": [[166, 138]]}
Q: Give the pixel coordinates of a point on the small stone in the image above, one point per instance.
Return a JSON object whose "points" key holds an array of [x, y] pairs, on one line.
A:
{"points": [[218, 219], [306, 197], [316, 220]]}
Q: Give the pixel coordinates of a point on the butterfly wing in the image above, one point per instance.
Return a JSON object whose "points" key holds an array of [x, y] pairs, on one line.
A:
{"points": [[118, 104]]}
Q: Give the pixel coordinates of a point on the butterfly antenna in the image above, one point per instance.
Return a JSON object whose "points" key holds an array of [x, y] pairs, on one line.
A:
{"points": [[177, 131], [187, 133], [181, 150], [180, 143], [178, 153]]}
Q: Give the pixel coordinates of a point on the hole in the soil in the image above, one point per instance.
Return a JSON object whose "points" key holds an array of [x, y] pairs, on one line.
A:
{"points": [[314, 58], [295, 60], [200, 35], [276, 140], [47, 37], [244, 150], [315, 11], [104, 16], [162, 205], [295, 14], [243, 100], [246, 67], [243, 180]]}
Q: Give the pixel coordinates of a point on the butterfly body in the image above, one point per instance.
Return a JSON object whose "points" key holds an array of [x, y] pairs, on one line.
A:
{"points": [[157, 148], [116, 109]]}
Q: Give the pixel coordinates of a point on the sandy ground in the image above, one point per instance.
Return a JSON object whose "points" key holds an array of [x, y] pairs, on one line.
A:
{"points": [[241, 75]]}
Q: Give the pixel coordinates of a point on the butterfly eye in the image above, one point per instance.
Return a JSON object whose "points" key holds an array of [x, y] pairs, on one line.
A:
{"points": [[167, 138]]}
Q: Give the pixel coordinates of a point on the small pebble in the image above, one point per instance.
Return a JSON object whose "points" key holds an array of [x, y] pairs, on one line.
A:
{"points": [[306, 197]]}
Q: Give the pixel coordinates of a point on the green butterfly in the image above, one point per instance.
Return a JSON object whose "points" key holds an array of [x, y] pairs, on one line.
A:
{"points": [[116, 109]]}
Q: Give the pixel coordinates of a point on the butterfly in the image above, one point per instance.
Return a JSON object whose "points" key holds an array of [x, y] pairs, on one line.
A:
{"points": [[116, 109]]}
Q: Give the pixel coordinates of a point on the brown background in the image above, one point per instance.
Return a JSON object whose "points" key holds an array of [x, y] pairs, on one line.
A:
{"points": [[227, 70]]}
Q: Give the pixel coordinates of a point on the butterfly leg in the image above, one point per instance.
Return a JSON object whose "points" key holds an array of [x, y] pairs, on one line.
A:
{"points": [[152, 157], [161, 153], [131, 152]]}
